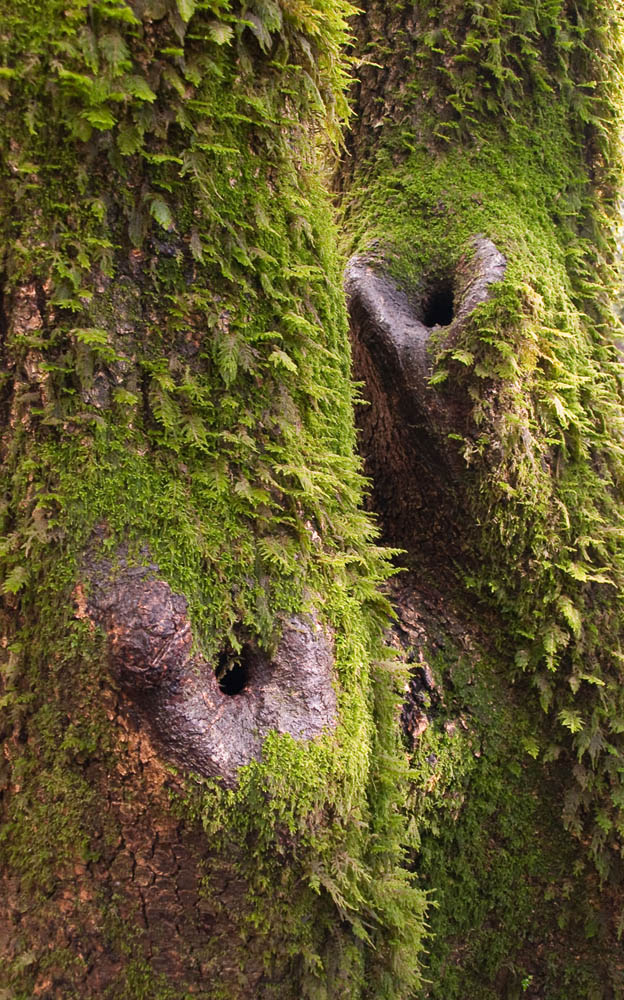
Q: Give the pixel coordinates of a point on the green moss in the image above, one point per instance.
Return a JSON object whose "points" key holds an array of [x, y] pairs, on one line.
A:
{"points": [[526, 152], [515, 903], [167, 199], [141, 984], [165, 179]]}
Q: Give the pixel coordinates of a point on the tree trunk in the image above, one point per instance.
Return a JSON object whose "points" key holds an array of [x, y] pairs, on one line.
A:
{"points": [[205, 788], [202, 770], [480, 195]]}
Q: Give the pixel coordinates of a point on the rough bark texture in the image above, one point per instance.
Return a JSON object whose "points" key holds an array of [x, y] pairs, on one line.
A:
{"points": [[476, 317], [202, 768], [210, 722], [170, 905], [415, 466], [206, 788]]}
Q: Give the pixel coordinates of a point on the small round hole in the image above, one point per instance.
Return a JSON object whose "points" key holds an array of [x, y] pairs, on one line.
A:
{"points": [[439, 306], [232, 671]]}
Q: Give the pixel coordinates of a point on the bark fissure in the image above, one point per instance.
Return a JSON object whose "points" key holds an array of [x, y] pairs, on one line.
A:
{"points": [[5, 379], [4, 321]]}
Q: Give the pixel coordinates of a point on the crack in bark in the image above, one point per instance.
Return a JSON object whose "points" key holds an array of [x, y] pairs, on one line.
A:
{"points": [[4, 333], [4, 319]]}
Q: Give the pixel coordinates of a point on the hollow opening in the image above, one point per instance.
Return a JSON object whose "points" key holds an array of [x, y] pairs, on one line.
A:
{"points": [[233, 671], [439, 306]]}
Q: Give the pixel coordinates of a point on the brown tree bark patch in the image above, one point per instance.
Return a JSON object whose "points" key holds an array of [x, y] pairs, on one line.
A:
{"points": [[203, 722]]}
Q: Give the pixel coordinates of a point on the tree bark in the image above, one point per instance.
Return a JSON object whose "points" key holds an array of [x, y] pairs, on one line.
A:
{"points": [[205, 785], [202, 769], [480, 197]]}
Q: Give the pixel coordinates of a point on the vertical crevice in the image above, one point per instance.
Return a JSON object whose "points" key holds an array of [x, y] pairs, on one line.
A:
{"points": [[5, 381], [42, 306], [4, 321]]}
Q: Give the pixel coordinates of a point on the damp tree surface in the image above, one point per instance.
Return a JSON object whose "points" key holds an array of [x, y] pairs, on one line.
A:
{"points": [[272, 731]]}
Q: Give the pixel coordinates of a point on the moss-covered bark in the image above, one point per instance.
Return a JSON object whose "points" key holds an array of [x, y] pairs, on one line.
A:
{"points": [[498, 403], [181, 504], [179, 495]]}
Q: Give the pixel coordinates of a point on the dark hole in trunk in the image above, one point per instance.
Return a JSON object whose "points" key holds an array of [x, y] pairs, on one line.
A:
{"points": [[233, 671], [439, 306]]}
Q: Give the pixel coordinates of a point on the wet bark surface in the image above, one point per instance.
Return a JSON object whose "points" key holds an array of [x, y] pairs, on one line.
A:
{"points": [[211, 719]]}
